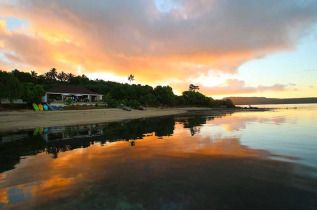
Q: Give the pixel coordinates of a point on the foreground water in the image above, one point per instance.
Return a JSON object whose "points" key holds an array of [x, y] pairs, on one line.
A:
{"points": [[246, 160]]}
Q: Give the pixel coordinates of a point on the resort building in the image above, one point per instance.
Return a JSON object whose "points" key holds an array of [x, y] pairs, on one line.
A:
{"points": [[60, 93]]}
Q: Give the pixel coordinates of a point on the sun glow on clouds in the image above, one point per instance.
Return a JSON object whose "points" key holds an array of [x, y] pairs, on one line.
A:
{"points": [[160, 42]]}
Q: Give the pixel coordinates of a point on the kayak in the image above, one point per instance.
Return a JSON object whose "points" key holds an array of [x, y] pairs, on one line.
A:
{"points": [[45, 107], [41, 130], [36, 131], [41, 107], [36, 108]]}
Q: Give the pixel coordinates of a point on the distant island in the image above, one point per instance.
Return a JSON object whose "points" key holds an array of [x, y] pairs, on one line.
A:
{"points": [[264, 100]]}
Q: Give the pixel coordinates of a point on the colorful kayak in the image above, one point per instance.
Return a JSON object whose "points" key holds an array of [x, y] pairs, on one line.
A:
{"points": [[36, 108], [41, 130], [36, 131], [45, 107], [41, 107], [45, 130]]}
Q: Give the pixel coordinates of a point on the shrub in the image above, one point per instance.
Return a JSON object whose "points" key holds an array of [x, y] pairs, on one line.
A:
{"points": [[134, 104], [113, 103], [69, 102], [10, 87], [32, 93], [229, 103]]}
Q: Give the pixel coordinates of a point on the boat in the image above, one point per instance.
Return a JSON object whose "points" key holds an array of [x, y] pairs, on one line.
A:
{"points": [[41, 107], [36, 108], [45, 107], [142, 108], [126, 108]]}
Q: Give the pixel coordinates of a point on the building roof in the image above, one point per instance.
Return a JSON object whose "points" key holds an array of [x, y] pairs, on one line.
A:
{"points": [[70, 89]]}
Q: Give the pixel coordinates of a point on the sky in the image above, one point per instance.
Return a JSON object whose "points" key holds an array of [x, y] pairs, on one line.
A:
{"points": [[227, 47]]}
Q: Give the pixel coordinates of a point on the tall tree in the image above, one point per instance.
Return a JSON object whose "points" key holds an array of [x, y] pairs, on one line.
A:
{"points": [[34, 74], [23, 76], [193, 87], [32, 93], [69, 77], [51, 75], [131, 78], [62, 76], [164, 94], [9, 86]]}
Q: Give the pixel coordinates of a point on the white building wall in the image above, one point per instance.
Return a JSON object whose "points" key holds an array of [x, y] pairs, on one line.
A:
{"points": [[44, 98]]}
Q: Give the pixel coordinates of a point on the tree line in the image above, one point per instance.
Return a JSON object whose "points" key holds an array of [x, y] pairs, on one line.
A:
{"points": [[30, 87]]}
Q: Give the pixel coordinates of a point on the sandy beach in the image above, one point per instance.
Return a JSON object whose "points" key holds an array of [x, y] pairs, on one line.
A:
{"points": [[19, 120]]}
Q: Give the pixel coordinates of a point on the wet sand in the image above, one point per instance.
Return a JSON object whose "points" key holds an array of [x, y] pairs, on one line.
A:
{"points": [[20, 120]]}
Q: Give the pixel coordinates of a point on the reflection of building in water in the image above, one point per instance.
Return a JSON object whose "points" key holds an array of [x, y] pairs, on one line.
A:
{"points": [[55, 133], [13, 137], [64, 133]]}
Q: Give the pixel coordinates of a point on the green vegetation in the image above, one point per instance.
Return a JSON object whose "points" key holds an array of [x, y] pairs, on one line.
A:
{"points": [[10, 87], [69, 102], [115, 94], [32, 93], [22, 85]]}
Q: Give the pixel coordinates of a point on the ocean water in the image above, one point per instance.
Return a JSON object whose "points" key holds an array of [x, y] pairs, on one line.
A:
{"points": [[243, 160]]}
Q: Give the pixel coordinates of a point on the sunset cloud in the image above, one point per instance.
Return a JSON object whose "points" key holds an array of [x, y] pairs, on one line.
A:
{"points": [[234, 86], [154, 40]]}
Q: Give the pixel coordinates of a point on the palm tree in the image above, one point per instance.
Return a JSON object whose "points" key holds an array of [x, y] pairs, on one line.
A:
{"points": [[52, 74], [33, 74], [193, 87], [69, 76], [131, 78], [62, 76]]}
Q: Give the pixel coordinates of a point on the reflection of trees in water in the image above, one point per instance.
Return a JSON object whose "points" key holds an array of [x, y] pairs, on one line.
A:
{"points": [[61, 139], [193, 123], [132, 143], [194, 131], [10, 152], [135, 129], [56, 147], [128, 130]]}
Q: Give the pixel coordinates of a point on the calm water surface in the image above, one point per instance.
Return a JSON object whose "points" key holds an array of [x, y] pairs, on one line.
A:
{"points": [[246, 160]]}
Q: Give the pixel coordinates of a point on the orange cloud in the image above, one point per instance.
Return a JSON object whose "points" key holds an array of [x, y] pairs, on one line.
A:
{"points": [[123, 37]]}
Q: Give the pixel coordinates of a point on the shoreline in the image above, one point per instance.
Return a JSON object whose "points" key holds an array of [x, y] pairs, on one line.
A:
{"points": [[13, 121]]}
